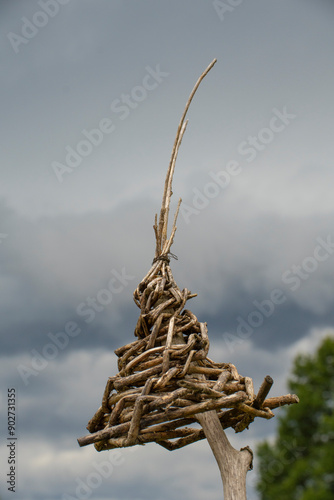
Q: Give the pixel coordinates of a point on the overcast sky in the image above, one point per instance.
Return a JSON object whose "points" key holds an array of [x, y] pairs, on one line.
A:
{"points": [[92, 93]]}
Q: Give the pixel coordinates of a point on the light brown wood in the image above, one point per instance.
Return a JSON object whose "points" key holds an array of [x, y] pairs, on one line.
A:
{"points": [[233, 464], [166, 382]]}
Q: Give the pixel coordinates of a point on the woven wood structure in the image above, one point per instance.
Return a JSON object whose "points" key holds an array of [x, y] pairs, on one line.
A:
{"points": [[166, 379]]}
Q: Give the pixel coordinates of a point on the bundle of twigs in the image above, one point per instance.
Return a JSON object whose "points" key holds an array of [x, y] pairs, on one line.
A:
{"points": [[165, 380]]}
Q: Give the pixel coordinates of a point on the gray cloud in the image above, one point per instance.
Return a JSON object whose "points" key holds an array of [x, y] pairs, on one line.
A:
{"points": [[64, 240]]}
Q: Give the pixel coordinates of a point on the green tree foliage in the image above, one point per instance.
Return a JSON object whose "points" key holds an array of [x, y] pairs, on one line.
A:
{"points": [[299, 465]]}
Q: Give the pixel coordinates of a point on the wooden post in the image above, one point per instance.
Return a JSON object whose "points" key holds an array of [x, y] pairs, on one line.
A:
{"points": [[233, 464]]}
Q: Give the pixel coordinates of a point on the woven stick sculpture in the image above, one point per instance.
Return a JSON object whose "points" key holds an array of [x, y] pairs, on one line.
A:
{"points": [[166, 382]]}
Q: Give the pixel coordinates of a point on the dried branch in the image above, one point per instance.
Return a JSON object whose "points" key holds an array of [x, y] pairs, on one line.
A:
{"points": [[161, 229], [263, 391], [233, 464]]}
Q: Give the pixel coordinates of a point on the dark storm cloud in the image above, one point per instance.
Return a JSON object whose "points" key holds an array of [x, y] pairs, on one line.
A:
{"points": [[51, 280], [288, 324], [54, 266]]}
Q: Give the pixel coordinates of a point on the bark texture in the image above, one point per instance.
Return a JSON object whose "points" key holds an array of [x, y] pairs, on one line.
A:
{"points": [[233, 464]]}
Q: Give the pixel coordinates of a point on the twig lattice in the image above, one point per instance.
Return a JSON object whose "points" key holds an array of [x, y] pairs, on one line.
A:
{"points": [[165, 377]]}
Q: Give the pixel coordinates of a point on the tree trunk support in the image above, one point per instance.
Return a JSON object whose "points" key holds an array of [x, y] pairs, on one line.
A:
{"points": [[233, 464]]}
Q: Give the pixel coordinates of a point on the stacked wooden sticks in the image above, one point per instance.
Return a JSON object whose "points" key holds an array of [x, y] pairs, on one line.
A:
{"points": [[165, 378]]}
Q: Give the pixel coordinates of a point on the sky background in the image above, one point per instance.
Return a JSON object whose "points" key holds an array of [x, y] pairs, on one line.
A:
{"points": [[264, 233]]}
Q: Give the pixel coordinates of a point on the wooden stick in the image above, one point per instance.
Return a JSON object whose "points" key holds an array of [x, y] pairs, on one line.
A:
{"points": [[263, 391], [233, 464], [163, 219], [226, 401], [275, 402]]}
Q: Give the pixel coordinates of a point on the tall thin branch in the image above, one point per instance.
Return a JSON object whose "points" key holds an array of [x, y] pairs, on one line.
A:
{"points": [[161, 229]]}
